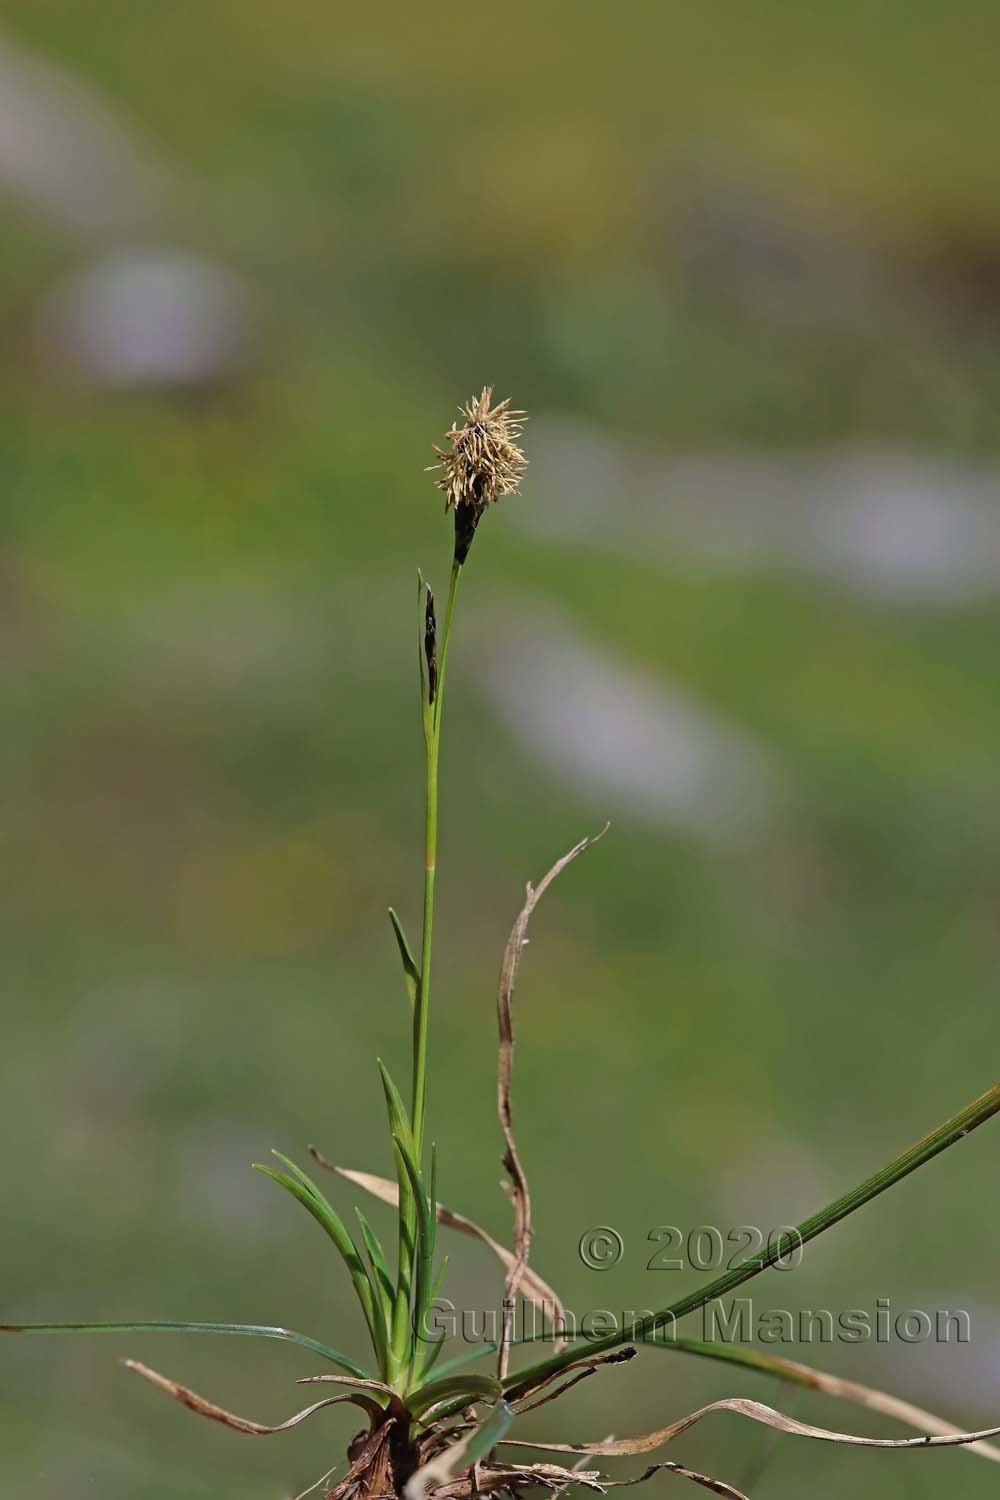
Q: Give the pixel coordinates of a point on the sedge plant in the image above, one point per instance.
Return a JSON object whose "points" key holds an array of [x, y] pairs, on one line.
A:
{"points": [[437, 1427]]}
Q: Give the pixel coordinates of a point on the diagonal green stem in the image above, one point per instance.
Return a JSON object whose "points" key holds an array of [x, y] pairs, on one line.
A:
{"points": [[953, 1130]]}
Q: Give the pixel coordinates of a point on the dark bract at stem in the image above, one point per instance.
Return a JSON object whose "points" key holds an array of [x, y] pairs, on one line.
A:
{"points": [[466, 521], [430, 644]]}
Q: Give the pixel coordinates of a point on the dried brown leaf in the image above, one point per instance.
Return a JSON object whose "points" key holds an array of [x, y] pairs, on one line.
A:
{"points": [[556, 1480], [791, 1371], [561, 1390], [228, 1419], [368, 1478], [551, 1476], [585, 1364], [756, 1412], [392, 1401], [717, 1486], [495, 1478]]}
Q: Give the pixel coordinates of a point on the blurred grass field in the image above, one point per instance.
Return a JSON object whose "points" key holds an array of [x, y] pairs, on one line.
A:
{"points": [[210, 738]]}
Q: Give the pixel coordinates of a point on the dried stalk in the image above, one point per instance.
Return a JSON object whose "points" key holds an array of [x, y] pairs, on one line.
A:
{"points": [[520, 1196], [756, 1411], [204, 1408]]}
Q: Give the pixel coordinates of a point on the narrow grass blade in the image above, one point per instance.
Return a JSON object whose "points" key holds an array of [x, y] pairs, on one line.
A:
{"points": [[399, 1119], [432, 1204], [469, 1387], [381, 1279], [533, 1287], [411, 974], [308, 1194], [468, 1357], [233, 1330], [423, 1244], [433, 1352], [401, 1129], [302, 1188], [952, 1131]]}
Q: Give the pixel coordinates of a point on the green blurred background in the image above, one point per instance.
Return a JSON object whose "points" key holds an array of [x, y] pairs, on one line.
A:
{"points": [[742, 265]]}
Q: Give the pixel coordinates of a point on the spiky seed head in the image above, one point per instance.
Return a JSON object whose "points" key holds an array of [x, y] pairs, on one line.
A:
{"points": [[484, 462]]}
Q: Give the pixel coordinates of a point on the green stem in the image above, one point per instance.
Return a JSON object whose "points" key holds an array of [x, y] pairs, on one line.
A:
{"points": [[402, 1354], [968, 1119], [422, 1007], [432, 742]]}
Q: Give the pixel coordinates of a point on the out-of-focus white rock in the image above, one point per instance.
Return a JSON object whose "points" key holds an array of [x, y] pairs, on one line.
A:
{"points": [[627, 741], [144, 313], [889, 522], [148, 318], [71, 155]]}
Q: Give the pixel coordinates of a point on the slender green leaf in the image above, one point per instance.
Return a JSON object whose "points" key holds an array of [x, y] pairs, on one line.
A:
{"points": [[425, 1222], [411, 973], [489, 1434], [953, 1130], [308, 1194], [439, 1277], [400, 1129], [425, 1365], [467, 1357], [432, 1355], [399, 1119], [237, 1330], [481, 1351], [432, 1203], [469, 1387], [423, 1252], [306, 1181], [380, 1270], [533, 1288]]}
